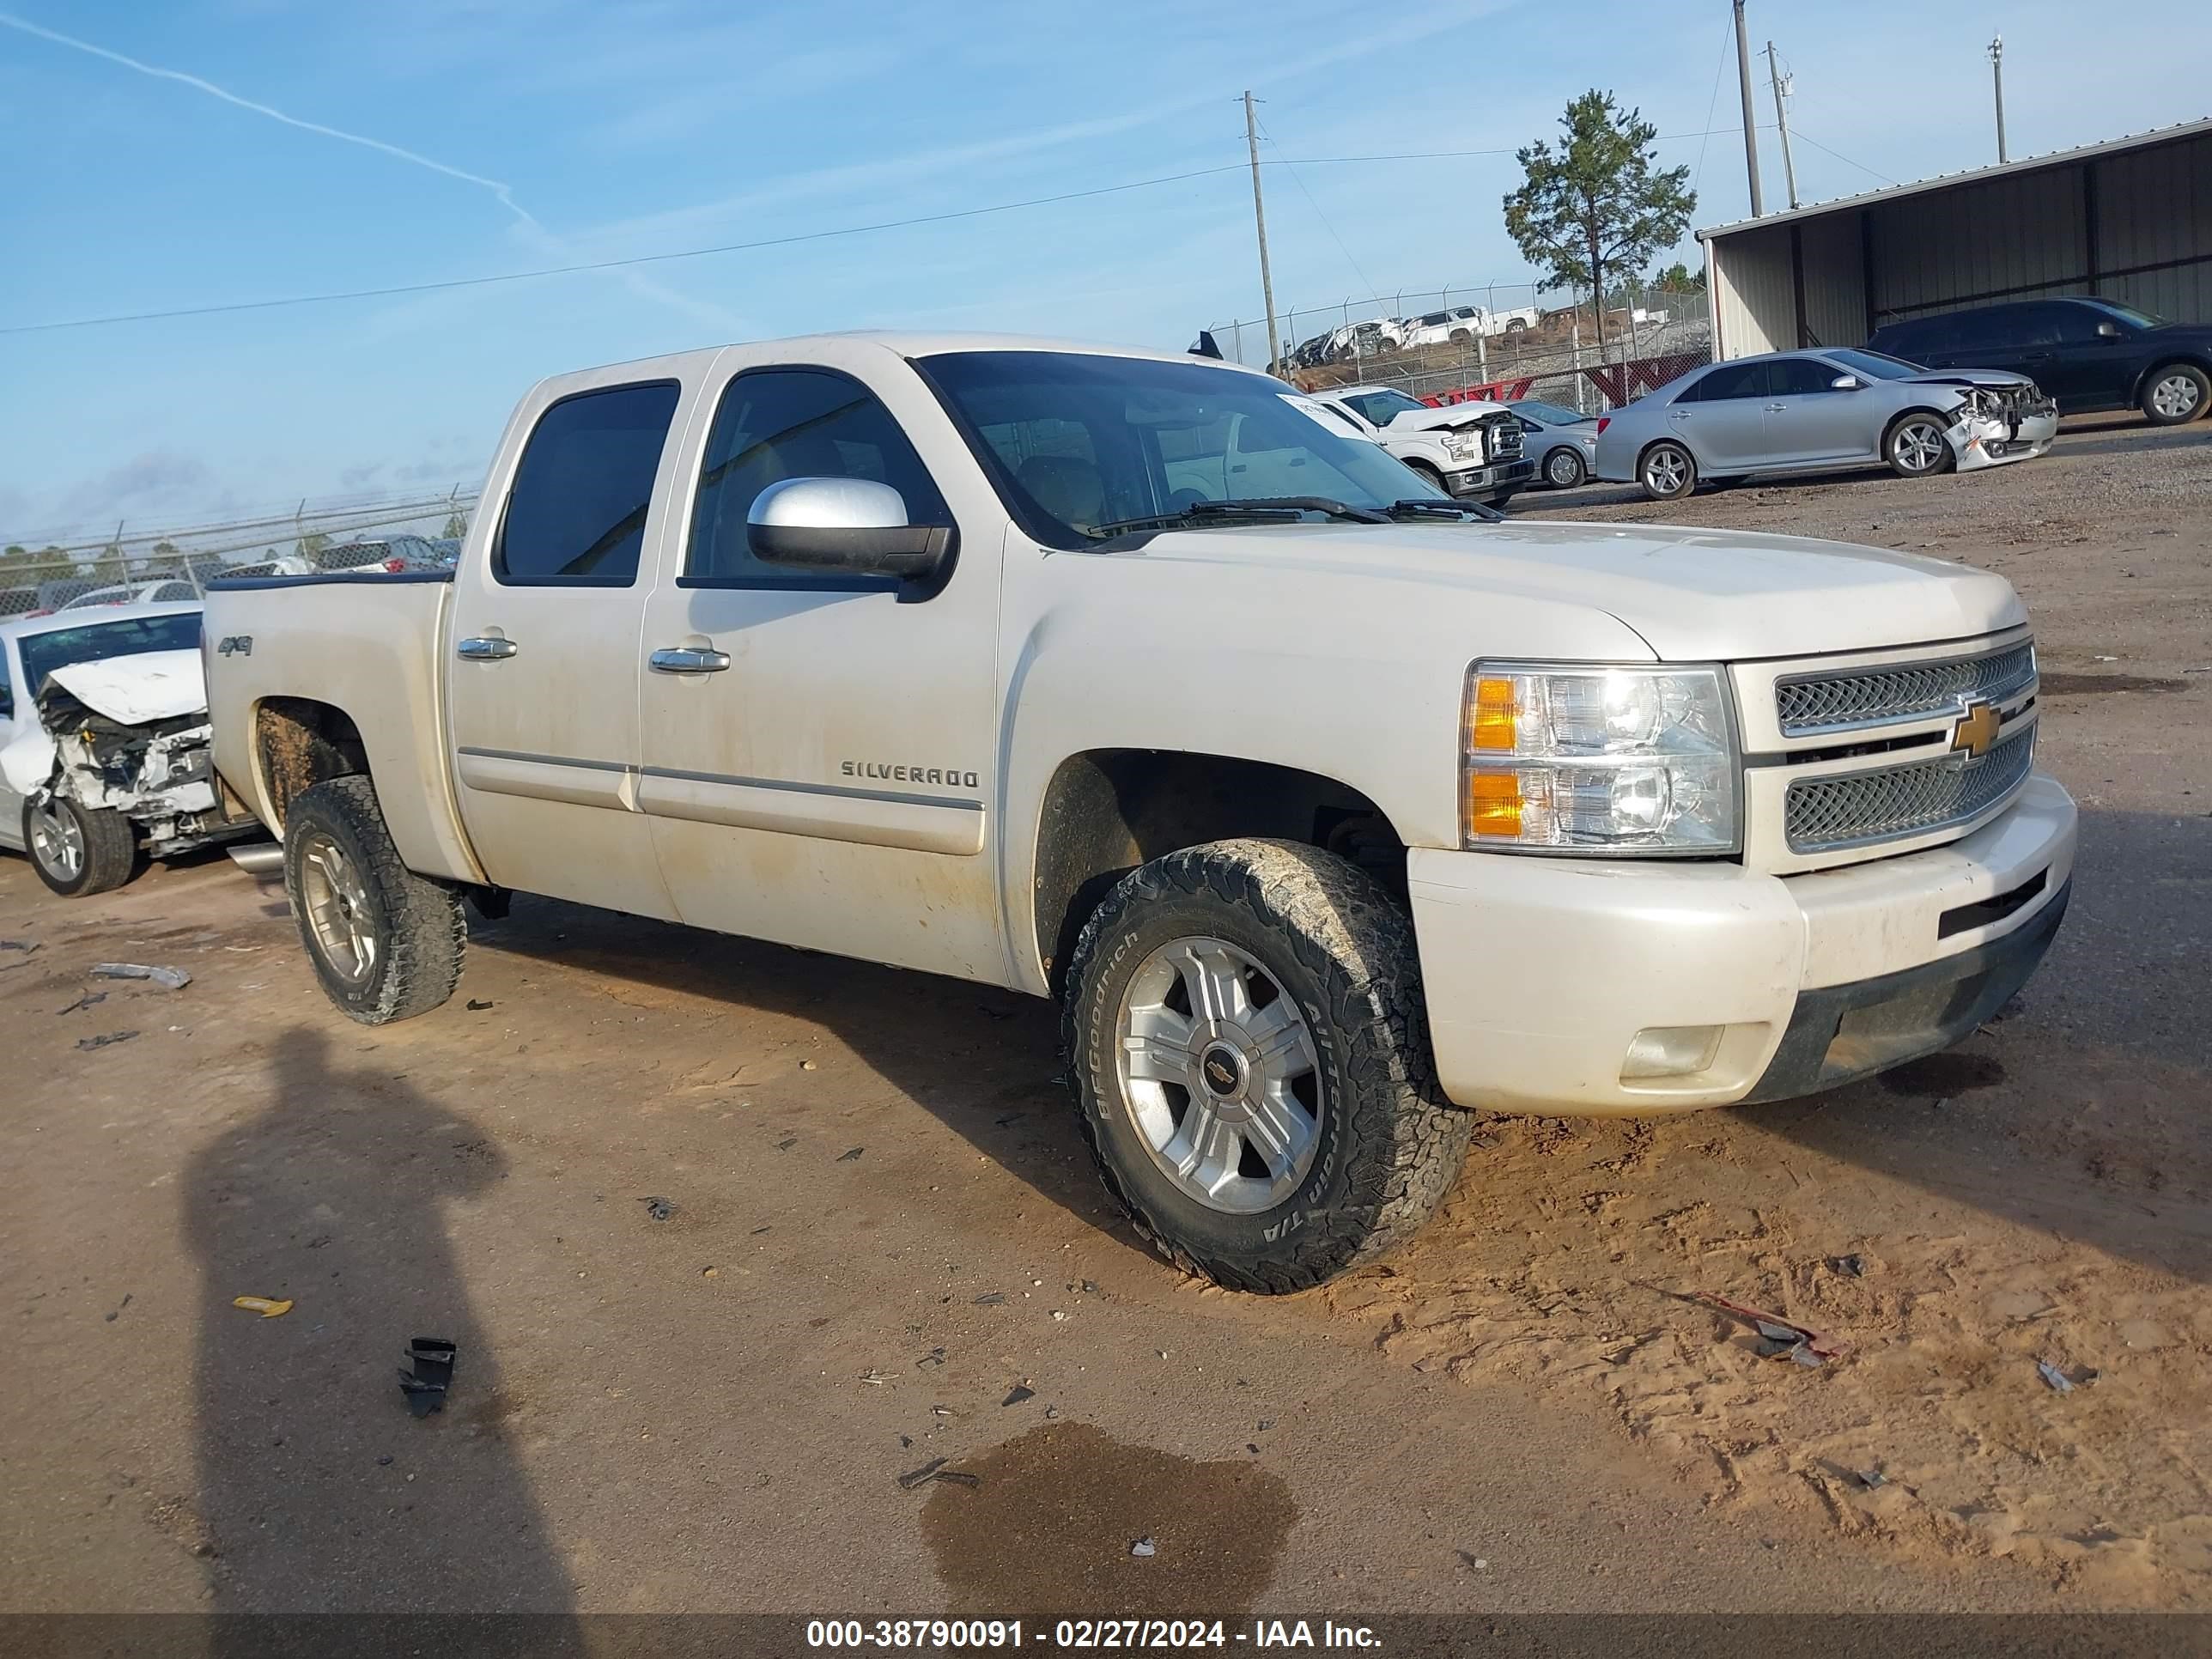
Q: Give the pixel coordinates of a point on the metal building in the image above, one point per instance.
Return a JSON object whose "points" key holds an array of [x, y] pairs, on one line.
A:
{"points": [[2130, 219]]}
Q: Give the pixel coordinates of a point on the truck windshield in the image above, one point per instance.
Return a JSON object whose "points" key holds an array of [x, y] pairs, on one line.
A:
{"points": [[1075, 441], [57, 648]]}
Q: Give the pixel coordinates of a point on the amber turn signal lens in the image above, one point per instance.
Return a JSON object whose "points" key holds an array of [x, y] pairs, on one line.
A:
{"points": [[1493, 804], [1489, 722]]}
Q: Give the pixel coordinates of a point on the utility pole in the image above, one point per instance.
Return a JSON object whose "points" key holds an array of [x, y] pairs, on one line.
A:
{"points": [[1750, 124], [1260, 223], [1996, 69], [1781, 121]]}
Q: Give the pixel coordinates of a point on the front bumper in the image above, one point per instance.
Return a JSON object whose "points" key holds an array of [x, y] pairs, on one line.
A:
{"points": [[1489, 480], [2027, 432], [1540, 973]]}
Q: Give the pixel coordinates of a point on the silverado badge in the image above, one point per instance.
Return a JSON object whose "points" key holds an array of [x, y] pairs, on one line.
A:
{"points": [[1976, 729]]}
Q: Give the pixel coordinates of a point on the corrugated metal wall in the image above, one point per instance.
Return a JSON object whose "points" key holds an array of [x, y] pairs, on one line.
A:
{"points": [[2018, 237], [2154, 207], [1753, 307]]}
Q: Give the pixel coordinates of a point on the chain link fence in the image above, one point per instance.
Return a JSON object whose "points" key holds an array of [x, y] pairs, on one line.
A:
{"points": [[1437, 341], [176, 564]]}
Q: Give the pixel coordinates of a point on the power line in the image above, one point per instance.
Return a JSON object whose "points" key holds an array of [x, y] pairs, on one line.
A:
{"points": [[1298, 179], [1800, 133], [398, 290], [1713, 103]]}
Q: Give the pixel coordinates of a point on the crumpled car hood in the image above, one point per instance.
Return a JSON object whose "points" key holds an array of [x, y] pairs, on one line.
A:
{"points": [[1451, 415], [1988, 377], [135, 690]]}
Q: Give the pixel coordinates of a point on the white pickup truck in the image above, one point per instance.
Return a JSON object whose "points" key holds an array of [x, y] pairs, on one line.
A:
{"points": [[1330, 811], [1473, 451]]}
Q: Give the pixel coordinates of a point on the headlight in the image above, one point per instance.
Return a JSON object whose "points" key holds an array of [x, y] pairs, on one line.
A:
{"points": [[1464, 445], [1587, 759]]}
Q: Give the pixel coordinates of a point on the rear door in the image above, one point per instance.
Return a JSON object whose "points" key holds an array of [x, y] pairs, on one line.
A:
{"points": [[823, 773], [1809, 421], [1723, 422], [542, 689], [2081, 367]]}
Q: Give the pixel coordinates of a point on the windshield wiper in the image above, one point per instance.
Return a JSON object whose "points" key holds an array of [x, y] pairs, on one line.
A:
{"points": [[1271, 509], [1421, 507]]}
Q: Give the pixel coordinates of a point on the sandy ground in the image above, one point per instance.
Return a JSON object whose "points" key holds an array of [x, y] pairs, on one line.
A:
{"points": [[878, 1231]]}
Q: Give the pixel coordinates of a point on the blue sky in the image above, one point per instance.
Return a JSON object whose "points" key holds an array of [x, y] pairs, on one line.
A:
{"points": [[557, 132]]}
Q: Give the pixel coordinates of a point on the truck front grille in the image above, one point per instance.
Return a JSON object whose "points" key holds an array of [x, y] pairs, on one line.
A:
{"points": [[1505, 440], [1857, 698], [1822, 815]]}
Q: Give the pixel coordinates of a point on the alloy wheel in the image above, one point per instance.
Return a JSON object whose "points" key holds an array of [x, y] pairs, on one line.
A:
{"points": [[56, 842], [2175, 396], [1664, 473], [1919, 447], [1219, 1075], [336, 903]]}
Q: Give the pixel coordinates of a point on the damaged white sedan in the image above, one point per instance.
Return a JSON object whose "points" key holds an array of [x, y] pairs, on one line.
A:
{"points": [[104, 739], [1798, 411]]}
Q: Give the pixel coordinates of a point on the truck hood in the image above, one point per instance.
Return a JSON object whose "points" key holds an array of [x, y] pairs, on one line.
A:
{"points": [[1693, 595], [1451, 415]]}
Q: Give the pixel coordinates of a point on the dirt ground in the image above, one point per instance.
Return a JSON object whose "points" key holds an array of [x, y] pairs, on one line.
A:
{"points": [[732, 1237]]}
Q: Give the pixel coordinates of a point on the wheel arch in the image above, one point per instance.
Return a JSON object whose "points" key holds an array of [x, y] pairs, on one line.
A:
{"points": [[1105, 811], [299, 742], [2172, 359]]}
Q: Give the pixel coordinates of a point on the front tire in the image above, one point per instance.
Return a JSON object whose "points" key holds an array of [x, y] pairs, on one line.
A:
{"points": [[1249, 1054], [1915, 445], [386, 942], [76, 850], [2175, 393], [1667, 470], [1564, 469], [1430, 476]]}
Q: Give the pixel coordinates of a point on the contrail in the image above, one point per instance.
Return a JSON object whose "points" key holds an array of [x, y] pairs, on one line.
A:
{"points": [[505, 195]]}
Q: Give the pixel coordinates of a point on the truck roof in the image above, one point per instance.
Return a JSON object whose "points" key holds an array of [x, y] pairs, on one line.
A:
{"points": [[902, 342]]}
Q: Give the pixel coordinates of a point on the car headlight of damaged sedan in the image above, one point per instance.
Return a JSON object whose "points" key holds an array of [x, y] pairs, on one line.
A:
{"points": [[1580, 758], [1464, 443]]}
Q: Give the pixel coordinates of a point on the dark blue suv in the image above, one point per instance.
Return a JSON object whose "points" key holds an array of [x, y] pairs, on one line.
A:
{"points": [[2086, 354]]}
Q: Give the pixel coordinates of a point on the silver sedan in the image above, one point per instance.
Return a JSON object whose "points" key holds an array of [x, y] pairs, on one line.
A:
{"points": [[1794, 411]]}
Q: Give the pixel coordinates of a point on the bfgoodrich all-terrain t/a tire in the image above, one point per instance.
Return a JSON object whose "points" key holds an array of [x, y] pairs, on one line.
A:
{"points": [[386, 942], [1250, 1059]]}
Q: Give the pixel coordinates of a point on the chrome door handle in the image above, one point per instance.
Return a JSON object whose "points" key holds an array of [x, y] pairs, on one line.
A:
{"points": [[1777, 409], [486, 650], [687, 659], [1678, 414]]}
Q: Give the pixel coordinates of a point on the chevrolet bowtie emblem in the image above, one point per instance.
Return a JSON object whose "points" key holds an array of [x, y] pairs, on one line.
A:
{"points": [[1977, 729]]}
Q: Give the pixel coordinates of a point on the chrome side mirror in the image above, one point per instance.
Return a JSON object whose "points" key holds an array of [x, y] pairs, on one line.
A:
{"points": [[2108, 331], [1847, 382], [844, 526]]}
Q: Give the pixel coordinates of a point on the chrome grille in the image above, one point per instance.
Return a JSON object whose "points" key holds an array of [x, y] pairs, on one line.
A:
{"points": [[1505, 440], [1879, 697], [1820, 815]]}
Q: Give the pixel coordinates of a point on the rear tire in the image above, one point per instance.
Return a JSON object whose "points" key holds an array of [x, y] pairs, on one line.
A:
{"points": [[386, 942], [1667, 470], [1915, 445], [78, 851], [1564, 469], [2175, 393], [1280, 985]]}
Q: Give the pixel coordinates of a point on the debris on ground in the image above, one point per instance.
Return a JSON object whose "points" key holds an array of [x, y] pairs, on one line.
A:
{"points": [[658, 1209], [875, 1379], [1017, 1395], [1870, 1478], [1052, 1411], [806, 1066], [425, 1385], [2065, 1382], [105, 1040], [1266, 1423], [478, 1007], [935, 1357], [935, 1470], [787, 1143], [169, 979], [116, 1312], [1780, 1337], [267, 1306], [90, 998], [1853, 1265], [1142, 1548], [991, 1299], [846, 1157]]}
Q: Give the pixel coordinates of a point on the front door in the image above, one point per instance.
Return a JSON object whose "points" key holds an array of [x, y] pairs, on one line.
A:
{"points": [[1809, 421], [545, 635], [1724, 424], [820, 753], [12, 708]]}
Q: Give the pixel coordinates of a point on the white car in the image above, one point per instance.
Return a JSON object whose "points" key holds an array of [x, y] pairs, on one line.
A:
{"points": [[170, 590], [1330, 813], [104, 743], [1472, 451]]}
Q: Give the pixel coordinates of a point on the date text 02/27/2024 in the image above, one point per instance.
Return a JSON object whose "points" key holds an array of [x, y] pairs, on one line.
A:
{"points": [[1123, 1634]]}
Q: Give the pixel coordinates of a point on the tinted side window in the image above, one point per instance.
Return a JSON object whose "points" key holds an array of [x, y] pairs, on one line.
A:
{"points": [[2071, 325], [781, 423], [1797, 375], [1733, 380], [576, 512], [1976, 331]]}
